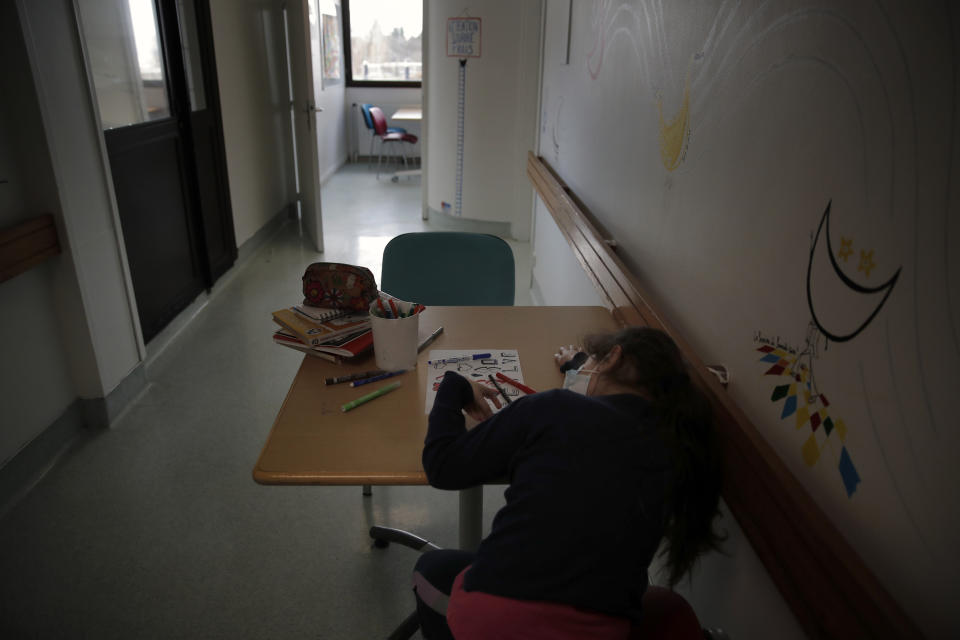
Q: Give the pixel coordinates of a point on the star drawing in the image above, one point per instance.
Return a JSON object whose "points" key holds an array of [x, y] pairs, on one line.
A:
{"points": [[866, 262], [846, 249]]}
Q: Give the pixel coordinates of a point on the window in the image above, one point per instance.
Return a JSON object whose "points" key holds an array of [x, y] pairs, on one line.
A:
{"points": [[123, 46], [383, 42]]}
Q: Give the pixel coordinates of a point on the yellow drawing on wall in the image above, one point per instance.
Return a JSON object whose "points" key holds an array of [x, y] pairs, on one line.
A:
{"points": [[673, 134]]}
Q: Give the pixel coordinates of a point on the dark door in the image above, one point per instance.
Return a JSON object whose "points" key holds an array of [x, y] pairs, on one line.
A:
{"points": [[165, 147], [206, 134]]}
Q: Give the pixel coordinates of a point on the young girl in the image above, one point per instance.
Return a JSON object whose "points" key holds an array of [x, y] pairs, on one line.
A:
{"points": [[599, 473]]}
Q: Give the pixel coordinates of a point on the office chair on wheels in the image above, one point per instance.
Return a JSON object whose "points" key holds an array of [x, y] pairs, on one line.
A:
{"points": [[439, 268]]}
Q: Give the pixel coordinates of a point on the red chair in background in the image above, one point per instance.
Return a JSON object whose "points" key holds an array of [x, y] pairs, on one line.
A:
{"points": [[381, 131]]}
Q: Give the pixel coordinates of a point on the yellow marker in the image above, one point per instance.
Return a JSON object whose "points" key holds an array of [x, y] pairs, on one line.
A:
{"points": [[353, 404]]}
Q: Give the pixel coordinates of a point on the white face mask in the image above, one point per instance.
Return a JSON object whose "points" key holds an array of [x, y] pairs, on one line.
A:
{"points": [[578, 380]]}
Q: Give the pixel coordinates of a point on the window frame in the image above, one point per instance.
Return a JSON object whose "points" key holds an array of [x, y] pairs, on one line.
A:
{"points": [[348, 60]]}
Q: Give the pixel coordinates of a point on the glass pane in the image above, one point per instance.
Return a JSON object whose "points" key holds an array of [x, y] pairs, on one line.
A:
{"points": [[123, 45], [385, 40], [190, 43]]}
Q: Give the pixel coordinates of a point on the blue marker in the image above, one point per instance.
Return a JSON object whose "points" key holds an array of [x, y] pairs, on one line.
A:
{"points": [[382, 376], [476, 356]]}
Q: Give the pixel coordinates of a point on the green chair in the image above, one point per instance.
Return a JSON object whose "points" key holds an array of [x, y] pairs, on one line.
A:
{"points": [[443, 268], [449, 268]]}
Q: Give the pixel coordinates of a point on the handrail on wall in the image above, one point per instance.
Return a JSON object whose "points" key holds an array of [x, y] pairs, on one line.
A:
{"points": [[827, 586], [27, 244]]}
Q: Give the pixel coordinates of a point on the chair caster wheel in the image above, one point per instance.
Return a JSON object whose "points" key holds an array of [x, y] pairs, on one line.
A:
{"points": [[380, 543]]}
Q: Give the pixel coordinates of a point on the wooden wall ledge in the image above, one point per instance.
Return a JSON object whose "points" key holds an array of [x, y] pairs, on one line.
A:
{"points": [[821, 577], [26, 245]]}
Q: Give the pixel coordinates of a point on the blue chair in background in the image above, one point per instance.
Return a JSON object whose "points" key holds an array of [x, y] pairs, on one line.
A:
{"points": [[449, 268], [368, 120]]}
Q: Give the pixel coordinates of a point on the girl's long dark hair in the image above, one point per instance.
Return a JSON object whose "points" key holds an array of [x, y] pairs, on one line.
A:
{"points": [[652, 363]]}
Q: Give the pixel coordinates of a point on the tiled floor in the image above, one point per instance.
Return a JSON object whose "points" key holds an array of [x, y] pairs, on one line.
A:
{"points": [[155, 528]]}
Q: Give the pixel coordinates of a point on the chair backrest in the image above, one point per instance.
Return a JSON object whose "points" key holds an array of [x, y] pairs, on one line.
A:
{"points": [[379, 120], [449, 268], [367, 120]]}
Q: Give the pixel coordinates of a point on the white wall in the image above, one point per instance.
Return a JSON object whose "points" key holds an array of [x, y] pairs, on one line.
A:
{"points": [[35, 385], [708, 140], [252, 76], [560, 278], [500, 114]]}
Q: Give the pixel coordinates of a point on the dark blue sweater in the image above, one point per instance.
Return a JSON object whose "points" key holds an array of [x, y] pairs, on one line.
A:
{"points": [[584, 509]]}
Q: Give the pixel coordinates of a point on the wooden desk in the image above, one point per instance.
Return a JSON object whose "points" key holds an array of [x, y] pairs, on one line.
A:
{"points": [[313, 442]]}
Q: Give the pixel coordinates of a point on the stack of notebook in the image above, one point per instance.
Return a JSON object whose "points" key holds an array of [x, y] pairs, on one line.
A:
{"points": [[333, 334]]}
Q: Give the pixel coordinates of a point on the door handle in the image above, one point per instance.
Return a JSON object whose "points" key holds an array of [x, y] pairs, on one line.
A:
{"points": [[311, 109]]}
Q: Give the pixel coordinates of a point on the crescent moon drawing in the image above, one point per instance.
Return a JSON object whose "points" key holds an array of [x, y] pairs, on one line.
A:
{"points": [[880, 292]]}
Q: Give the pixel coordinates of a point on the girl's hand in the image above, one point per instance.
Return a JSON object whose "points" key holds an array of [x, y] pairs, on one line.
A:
{"points": [[478, 409], [565, 354]]}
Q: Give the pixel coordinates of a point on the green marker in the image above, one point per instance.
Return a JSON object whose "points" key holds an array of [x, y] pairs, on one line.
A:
{"points": [[353, 404]]}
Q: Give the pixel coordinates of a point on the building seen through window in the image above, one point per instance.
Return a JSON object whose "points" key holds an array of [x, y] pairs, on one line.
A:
{"points": [[385, 41]]}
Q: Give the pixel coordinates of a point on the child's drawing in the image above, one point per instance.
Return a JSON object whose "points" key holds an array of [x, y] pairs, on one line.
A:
{"points": [[505, 361], [807, 406], [870, 299], [803, 400]]}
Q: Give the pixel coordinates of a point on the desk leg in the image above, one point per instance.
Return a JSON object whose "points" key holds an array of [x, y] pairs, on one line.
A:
{"points": [[471, 518]]}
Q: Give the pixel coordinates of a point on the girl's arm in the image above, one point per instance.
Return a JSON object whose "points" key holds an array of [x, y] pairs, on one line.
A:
{"points": [[455, 458]]}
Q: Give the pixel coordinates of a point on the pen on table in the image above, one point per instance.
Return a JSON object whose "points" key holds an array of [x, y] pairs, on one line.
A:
{"points": [[499, 388], [429, 339], [476, 356], [353, 404], [382, 376], [518, 385], [354, 376]]}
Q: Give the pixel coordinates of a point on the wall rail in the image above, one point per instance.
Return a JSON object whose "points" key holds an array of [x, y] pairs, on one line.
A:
{"points": [[828, 587], [27, 244]]}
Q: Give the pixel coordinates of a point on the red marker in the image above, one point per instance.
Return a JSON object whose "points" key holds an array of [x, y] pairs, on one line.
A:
{"points": [[382, 309], [518, 385], [393, 307]]}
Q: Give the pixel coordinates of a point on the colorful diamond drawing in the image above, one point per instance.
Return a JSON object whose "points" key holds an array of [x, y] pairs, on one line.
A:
{"points": [[849, 474], [802, 416], [815, 420], [803, 407], [789, 407], [810, 451]]}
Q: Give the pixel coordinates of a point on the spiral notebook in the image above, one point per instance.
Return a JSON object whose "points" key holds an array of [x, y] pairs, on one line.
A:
{"points": [[320, 314]]}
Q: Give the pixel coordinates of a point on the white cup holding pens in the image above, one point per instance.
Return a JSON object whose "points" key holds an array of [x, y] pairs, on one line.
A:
{"points": [[395, 325]]}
